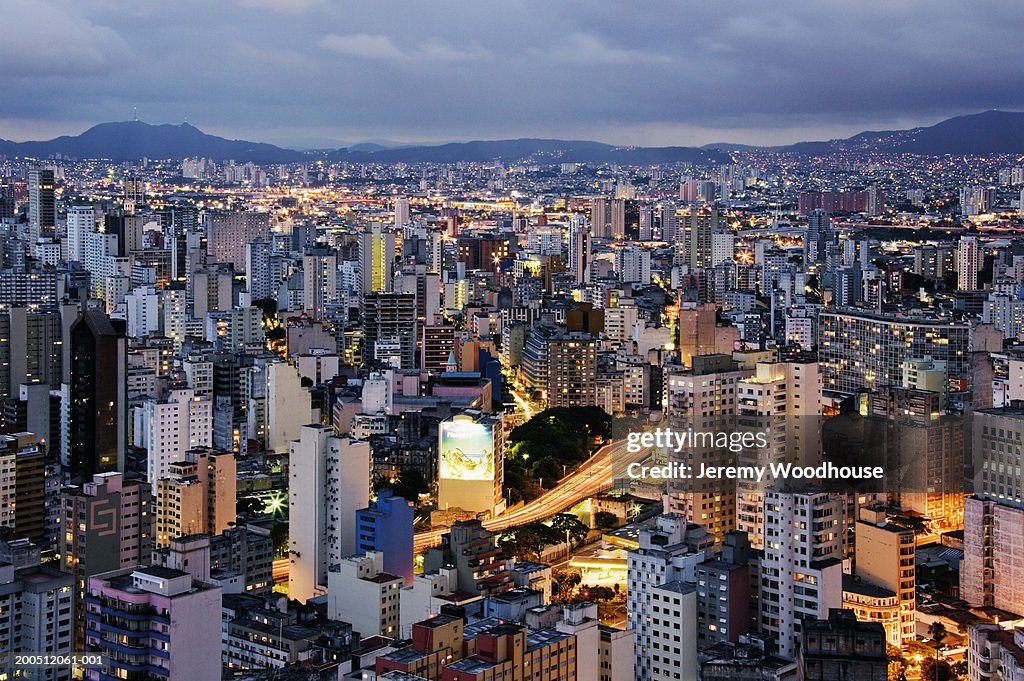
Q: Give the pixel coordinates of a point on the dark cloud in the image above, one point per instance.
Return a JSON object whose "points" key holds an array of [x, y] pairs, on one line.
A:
{"points": [[294, 71]]}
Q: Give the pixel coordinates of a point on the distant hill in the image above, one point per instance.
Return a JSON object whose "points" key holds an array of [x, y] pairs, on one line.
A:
{"points": [[983, 133], [989, 132], [543, 150], [132, 140]]}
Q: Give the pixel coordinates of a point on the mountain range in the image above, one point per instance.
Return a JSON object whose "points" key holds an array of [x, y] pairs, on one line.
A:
{"points": [[983, 133]]}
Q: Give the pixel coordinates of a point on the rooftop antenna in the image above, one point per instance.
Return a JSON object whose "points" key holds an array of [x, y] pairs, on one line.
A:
{"points": [[135, 114]]}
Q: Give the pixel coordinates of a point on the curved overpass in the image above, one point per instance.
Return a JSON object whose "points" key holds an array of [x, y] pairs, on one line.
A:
{"points": [[592, 477]]}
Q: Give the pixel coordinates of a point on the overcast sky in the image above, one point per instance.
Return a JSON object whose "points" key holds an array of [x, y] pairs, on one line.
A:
{"points": [[651, 72]]}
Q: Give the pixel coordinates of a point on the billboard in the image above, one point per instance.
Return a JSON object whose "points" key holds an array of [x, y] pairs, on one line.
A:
{"points": [[466, 450]]}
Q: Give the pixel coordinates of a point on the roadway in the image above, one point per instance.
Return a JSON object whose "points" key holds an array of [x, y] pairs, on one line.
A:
{"points": [[592, 477]]}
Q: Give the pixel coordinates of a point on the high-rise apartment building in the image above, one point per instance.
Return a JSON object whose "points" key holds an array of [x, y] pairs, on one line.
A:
{"points": [[377, 259], [967, 259], [196, 496], [704, 398], [723, 593], [80, 221], [925, 446], [862, 350], [801, 567], [389, 329], [42, 205], [23, 486], [580, 249], [98, 394], [168, 428], [329, 481], [697, 229], [228, 233], [662, 574], [783, 399], [479, 565], [361, 592], [106, 524], [572, 370], [386, 527], [992, 572], [157, 620], [401, 211], [885, 557], [35, 612], [320, 280], [32, 347]]}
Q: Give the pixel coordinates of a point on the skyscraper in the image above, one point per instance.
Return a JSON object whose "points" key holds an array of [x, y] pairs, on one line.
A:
{"points": [[601, 218], [329, 481], [377, 259], [401, 211], [80, 221], [967, 258], [992, 572], [669, 223], [42, 207], [228, 234], [572, 370], [320, 280], [580, 252], [31, 347], [802, 568], [170, 427], [819, 240], [784, 398], [389, 329], [98, 393], [698, 227]]}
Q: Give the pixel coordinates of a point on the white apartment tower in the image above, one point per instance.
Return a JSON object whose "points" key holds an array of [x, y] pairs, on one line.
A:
{"points": [[801, 567], [661, 572], [786, 398], [329, 480], [168, 428], [967, 258]]}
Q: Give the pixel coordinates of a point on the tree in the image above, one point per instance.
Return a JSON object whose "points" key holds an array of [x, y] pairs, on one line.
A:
{"points": [[937, 630], [524, 541], [564, 583], [567, 522], [279, 535], [897, 664], [268, 306], [605, 520], [598, 593], [410, 485], [936, 670], [548, 469], [249, 506]]}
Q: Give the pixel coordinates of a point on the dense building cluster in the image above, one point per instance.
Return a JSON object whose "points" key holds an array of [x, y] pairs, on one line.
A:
{"points": [[316, 420]]}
